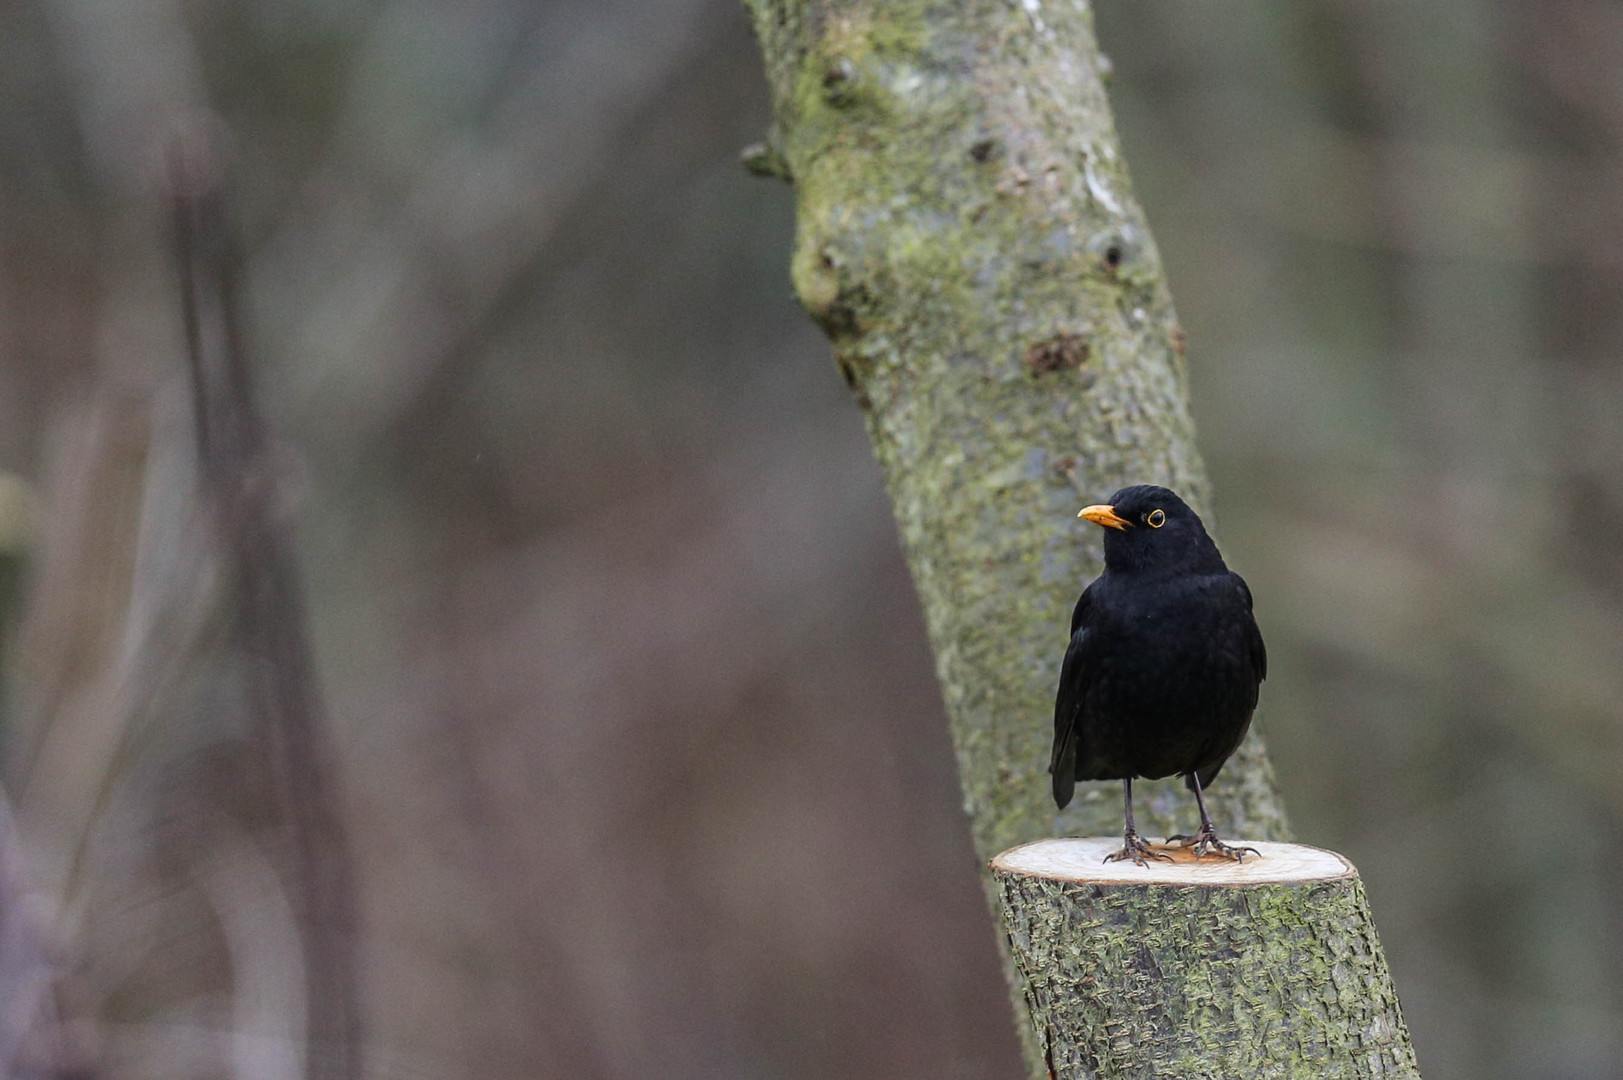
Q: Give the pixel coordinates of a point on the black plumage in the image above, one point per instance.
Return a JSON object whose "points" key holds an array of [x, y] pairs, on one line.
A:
{"points": [[1162, 672]]}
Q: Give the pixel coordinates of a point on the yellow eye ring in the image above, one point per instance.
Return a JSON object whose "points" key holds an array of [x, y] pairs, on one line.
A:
{"points": [[1156, 519]]}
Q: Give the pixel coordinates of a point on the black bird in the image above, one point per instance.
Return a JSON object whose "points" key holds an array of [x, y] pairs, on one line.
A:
{"points": [[1165, 659]]}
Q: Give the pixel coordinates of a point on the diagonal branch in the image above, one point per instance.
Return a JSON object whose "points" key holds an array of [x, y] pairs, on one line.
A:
{"points": [[269, 621], [968, 238]]}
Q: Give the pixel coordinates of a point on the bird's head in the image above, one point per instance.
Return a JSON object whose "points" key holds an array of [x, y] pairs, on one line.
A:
{"points": [[1150, 528]]}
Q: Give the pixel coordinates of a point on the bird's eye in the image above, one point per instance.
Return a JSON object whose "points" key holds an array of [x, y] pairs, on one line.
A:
{"points": [[1156, 519]]}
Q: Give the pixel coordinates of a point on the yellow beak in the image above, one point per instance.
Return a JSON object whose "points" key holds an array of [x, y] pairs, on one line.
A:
{"points": [[1106, 516]]}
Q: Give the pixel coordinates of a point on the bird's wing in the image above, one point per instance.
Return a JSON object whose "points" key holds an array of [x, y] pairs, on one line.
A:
{"points": [[1258, 651], [1084, 601], [1068, 706], [1257, 654]]}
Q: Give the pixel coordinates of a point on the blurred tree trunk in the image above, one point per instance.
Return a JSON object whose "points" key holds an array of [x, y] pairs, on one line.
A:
{"points": [[968, 238]]}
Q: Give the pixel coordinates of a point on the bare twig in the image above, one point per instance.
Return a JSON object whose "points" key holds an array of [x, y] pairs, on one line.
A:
{"points": [[270, 621], [25, 973]]}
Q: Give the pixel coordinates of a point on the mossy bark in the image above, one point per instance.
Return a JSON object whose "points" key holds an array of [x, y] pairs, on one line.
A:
{"points": [[968, 238], [1127, 980]]}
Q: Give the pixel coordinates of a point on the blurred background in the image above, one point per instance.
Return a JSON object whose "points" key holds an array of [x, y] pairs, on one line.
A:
{"points": [[642, 761]]}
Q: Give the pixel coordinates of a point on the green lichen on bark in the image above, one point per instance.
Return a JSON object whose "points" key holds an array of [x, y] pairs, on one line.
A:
{"points": [[1129, 981], [968, 238]]}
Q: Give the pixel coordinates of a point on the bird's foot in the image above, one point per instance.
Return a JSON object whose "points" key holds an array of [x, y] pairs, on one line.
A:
{"points": [[1134, 848], [1205, 841]]}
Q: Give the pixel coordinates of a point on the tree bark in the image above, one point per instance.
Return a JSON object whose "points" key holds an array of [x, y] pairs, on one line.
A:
{"points": [[1267, 968], [968, 238]]}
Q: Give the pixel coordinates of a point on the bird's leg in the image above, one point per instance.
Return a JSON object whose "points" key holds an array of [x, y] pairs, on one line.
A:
{"points": [[1133, 845], [1206, 839]]}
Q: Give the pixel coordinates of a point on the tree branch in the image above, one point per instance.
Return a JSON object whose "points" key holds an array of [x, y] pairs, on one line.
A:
{"points": [[968, 238], [270, 622]]}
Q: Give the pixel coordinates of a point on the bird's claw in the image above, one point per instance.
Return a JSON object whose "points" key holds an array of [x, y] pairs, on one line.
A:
{"points": [[1134, 848], [1206, 841]]}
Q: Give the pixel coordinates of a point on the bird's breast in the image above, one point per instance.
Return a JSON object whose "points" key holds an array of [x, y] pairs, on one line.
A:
{"points": [[1164, 651]]}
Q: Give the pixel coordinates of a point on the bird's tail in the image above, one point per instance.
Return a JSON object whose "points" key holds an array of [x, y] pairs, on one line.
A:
{"points": [[1063, 767], [1207, 775]]}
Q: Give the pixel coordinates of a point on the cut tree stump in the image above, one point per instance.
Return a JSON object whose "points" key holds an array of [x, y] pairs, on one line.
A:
{"points": [[1200, 968]]}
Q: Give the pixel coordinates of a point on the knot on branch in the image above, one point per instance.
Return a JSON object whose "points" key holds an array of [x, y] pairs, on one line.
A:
{"points": [[1120, 253], [1057, 354], [853, 367], [840, 81], [765, 159], [834, 298]]}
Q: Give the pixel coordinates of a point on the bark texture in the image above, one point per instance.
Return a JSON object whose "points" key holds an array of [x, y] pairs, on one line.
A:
{"points": [[1127, 979], [968, 238]]}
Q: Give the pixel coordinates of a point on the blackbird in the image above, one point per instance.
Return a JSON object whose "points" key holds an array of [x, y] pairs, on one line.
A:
{"points": [[1165, 658]]}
